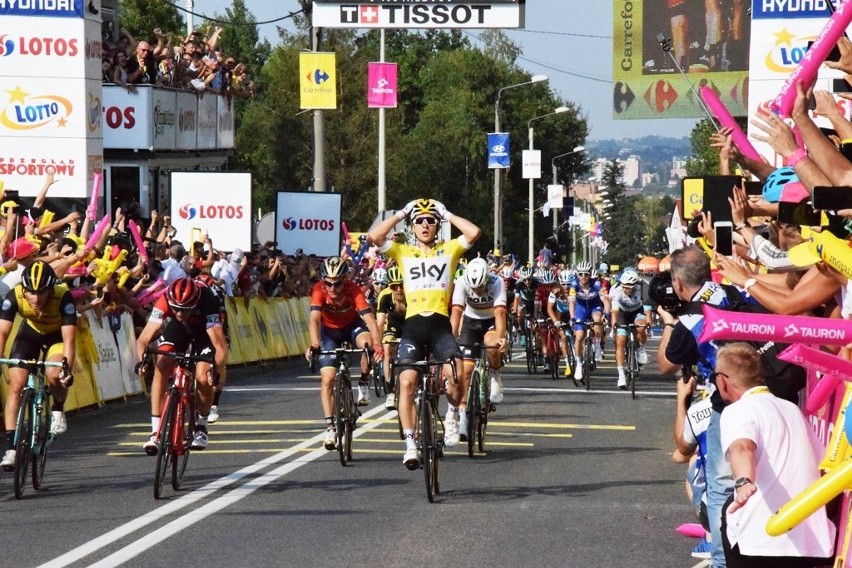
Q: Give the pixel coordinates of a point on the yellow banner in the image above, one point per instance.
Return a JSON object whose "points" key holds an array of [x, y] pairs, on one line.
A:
{"points": [[317, 81]]}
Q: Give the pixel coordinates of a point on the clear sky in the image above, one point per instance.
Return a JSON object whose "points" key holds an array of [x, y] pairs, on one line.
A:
{"points": [[568, 40]]}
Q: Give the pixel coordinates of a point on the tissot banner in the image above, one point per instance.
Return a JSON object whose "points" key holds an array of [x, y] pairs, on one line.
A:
{"points": [[498, 150], [381, 85], [317, 80]]}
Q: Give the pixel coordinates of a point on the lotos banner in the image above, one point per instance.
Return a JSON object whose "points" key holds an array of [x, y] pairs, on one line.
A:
{"points": [[724, 324], [381, 85]]}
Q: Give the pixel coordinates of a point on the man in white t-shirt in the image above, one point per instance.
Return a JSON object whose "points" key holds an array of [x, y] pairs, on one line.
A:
{"points": [[774, 456]]}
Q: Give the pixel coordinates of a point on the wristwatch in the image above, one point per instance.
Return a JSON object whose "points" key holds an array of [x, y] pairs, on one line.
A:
{"points": [[742, 481]]}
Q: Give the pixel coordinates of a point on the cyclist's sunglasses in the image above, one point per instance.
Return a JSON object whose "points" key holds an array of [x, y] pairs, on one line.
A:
{"points": [[583, 274], [425, 219], [333, 284], [396, 286]]}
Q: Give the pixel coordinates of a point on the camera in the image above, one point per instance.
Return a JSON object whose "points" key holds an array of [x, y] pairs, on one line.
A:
{"points": [[661, 291], [692, 227]]}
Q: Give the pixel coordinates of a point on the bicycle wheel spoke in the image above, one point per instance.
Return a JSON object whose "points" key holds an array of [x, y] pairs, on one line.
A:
{"points": [[23, 434]]}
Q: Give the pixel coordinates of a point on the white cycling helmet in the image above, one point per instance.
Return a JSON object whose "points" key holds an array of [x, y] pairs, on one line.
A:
{"points": [[603, 268], [565, 277], [546, 277], [526, 272], [507, 272], [476, 273], [585, 266], [629, 278], [380, 275]]}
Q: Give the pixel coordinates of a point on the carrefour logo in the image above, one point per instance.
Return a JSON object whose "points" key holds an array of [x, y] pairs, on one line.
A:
{"points": [[210, 211], [317, 77], [7, 46], [787, 52], [25, 111], [291, 224]]}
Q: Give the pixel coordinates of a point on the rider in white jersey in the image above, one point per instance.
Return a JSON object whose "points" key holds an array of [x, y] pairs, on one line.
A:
{"points": [[627, 308], [481, 298]]}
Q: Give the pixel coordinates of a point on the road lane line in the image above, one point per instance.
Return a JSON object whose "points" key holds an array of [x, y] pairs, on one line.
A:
{"points": [[188, 519]]}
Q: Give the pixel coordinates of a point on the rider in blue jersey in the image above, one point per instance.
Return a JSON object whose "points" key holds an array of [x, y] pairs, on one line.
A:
{"points": [[587, 301]]}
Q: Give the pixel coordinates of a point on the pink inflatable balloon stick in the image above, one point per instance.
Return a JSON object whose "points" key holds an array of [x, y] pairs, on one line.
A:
{"points": [[717, 107]]}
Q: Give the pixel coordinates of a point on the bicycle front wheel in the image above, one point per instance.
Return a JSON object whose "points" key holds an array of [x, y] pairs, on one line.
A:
{"points": [[473, 409], [632, 369], [428, 441], [23, 441], [484, 408], [42, 435], [164, 442], [184, 432], [342, 410]]}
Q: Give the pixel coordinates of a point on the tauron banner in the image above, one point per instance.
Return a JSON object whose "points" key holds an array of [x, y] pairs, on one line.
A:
{"points": [[654, 40], [381, 85]]}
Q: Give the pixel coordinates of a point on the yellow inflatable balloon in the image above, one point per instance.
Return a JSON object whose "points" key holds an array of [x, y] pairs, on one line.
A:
{"points": [[810, 500]]}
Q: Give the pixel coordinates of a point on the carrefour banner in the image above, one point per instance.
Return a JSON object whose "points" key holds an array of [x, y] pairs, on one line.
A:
{"points": [[215, 203], [381, 85], [498, 150], [308, 221], [318, 80], [653, 38], [43, 8]]}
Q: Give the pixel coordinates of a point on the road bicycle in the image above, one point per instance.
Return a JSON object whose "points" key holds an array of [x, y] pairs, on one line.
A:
{"points": [[511, 334], [377, 379], [346, 411], [478, 401], [429, 432], [177, 422], [589, 363], [551, 346], [530, 344], [631, 361], [32, 429]]}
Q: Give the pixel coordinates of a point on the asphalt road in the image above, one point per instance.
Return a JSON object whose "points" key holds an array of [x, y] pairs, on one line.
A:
{"points": [[570, 478]]}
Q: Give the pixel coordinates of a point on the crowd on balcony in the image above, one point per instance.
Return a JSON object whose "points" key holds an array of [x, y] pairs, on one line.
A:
{"points": [[191, 63]]}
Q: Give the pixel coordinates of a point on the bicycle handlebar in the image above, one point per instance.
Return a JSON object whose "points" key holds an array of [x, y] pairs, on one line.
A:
{"points": [[33, 363], [337, 352]]}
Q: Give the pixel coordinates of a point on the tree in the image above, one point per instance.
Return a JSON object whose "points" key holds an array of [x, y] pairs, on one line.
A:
{"points": [[240, 38], [705, 159], [141, 17]]}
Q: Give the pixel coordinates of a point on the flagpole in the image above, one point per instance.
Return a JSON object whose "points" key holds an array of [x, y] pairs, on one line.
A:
{"points": [[381, 175]]}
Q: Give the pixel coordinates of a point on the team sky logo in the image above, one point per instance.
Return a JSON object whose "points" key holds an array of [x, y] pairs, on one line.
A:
{"points": [[26, 111], [317, 77], [787, 52]]}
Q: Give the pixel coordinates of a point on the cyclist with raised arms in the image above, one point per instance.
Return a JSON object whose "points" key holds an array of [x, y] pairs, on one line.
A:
{"points": [[340, 314], [427, 272], [559, 309], [627, 308], [188, 314], [586, 301], [49, 323], [481, 299], [391, 319]]}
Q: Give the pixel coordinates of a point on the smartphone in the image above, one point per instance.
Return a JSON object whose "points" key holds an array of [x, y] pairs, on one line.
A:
{"points": [[754, 187], [832, 198], [724, 238], [840, 86], [833, 55], [798, 214]]}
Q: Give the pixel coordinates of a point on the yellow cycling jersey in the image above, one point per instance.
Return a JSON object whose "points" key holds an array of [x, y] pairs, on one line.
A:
{"points": [[427, 278], [58, 311]]}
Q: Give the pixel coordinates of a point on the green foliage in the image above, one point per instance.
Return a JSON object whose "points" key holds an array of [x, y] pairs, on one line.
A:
{"points": [[240, 37], [705, 159], [141, 17]]}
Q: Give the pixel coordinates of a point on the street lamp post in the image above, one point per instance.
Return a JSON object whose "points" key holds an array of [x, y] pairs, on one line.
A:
{"points": [[555, 226], [531, 232], [498, 210]]}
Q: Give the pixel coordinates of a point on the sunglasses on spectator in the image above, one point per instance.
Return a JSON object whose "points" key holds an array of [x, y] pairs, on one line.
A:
{"points": [[425, 220], [715, 374], [333, 284]]}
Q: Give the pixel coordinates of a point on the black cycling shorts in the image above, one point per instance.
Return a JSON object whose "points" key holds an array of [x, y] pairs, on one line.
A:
{"points": [[431, 333]]}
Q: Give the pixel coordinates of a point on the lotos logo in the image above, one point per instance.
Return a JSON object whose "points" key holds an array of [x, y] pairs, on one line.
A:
{"points": [[186, 212], [7, 46], [189, 211], [28, 112], [317, 77], [291, 224], [787, 52]]}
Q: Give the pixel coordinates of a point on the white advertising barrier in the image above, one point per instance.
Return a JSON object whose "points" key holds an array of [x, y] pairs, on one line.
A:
{"points": [[24, 163], [207, 118], [225, 123], [164, 115], [47, 107], [309, 221], [187, 121], [532, 164], [50, 47], [128, 120], [332, 14], [117, 353], [216, 203]]}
